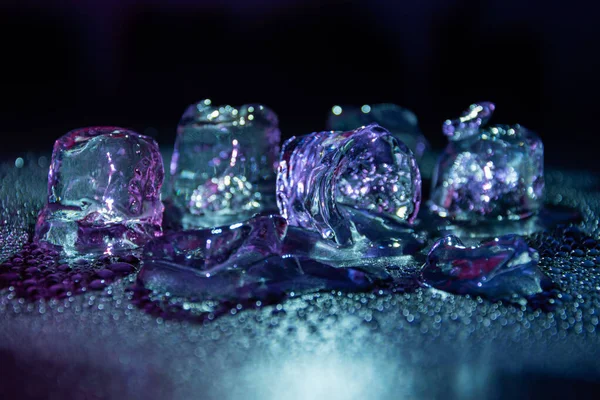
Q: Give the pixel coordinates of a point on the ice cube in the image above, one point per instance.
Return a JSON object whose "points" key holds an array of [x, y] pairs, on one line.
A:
{"points": [[223, 166], [488, 172], [325, 178], [103, 191]]}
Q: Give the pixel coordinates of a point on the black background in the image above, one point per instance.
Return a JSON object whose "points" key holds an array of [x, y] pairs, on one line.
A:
{"points": [[139, 63]]}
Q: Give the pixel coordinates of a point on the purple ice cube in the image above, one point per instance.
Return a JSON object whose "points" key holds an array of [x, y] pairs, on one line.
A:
{"points": [[103, 191], [488, 172], [325, 178]]}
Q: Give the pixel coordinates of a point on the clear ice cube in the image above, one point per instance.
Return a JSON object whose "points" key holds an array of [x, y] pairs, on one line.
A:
{"points": [[103, 191], [502, 268], [488, 172], [326, 177], [401, 122], [223, 165]]}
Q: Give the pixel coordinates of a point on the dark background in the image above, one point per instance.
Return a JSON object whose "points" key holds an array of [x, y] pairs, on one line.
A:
{"points": [[139, 63]]}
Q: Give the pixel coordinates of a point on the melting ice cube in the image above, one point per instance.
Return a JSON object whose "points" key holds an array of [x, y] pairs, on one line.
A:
{"points": [[502, 268], [327, 179], [239, 262], [402, 123], [211, 251]]}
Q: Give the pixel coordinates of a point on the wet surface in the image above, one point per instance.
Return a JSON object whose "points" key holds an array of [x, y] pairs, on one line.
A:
{"points": [[400, 340], [36, 273]]}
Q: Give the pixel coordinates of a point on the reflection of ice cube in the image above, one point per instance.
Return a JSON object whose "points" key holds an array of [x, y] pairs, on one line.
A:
{"points": [[503, 268], [495, 172], [223, 164], [103, 191], [323, 175], [401, 123]]}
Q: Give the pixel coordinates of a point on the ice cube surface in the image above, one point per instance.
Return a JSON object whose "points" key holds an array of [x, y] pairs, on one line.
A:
{"points": [[104, 188], [212, 251], [501, 268], [323, 177], [488, 173], [223, 166], [240, 262]]}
